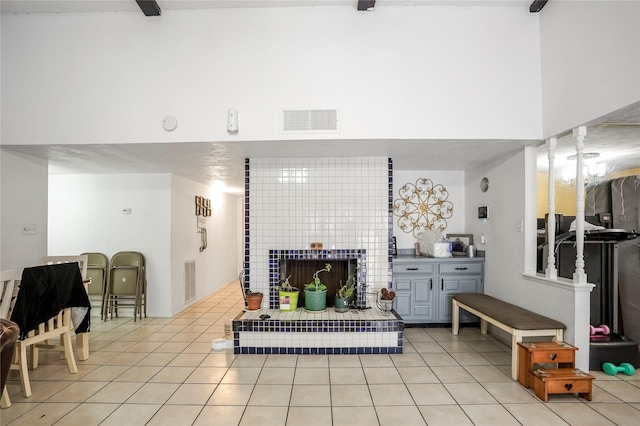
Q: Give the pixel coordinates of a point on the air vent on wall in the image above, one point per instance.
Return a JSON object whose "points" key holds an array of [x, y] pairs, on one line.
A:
{"points": [[309, 121], [189, 280]]}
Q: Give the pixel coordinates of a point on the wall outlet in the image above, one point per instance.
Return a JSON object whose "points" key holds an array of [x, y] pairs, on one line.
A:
{"points": [[29, 229]]}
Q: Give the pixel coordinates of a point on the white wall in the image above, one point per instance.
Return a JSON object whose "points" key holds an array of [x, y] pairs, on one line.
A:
{"points": [[453, 181], [85, 215], [441, 72], [218, 264], [23, 201], [590, 60]]}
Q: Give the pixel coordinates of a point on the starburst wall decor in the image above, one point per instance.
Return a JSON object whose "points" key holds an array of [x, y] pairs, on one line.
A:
{"points": [[422, 206]]}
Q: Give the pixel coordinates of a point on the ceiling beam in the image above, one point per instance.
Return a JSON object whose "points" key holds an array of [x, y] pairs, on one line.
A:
{"points": [[366, 4], [149, 7], [537, 6]]}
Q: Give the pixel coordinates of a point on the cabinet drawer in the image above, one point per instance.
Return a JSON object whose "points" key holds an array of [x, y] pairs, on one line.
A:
{"points": [[413, 268], [461, 268], [549, 355]]}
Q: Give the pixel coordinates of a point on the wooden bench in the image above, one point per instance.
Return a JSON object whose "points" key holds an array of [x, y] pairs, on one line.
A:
{"points": [[513, 319]]}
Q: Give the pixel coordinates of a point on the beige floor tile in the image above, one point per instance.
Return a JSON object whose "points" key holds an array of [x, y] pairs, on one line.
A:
{"points": [[310, 376], [376, 360], [600, 395], [382, 375], [17, 409], [186, 337], [620, 389], [118, 346], [281, 361], [470, 393], [192, 394], [157, 359], [457, 346], [187, 360], [469, 358], [620, 414], [417, 375], [344, 361], [105, 373], [407, 360], [417, 335], [138, 374], [427, 347], [305, 416], [244, 375], [172, 347], [508, 392], [350, 396], [355, 416], [127, 358], [153, 393], [487, 374], [162, 336], [349, 376], [218, 360], [579, 414], [397, 394], [271, 395], [198, 348], [452, 375], [44, 413], [276, 376], [218, 415], [310, 395], [97, 358], [489, 415], [399, 415], [498, 358], [206, 375], [115, 392], [231, 394], [146, 347], [313, 361], [41, 391], [484, 346], [264, 416], [88, 414], [171, 415], [534, 414], [444, 415], [77, 392], [430, 394], [255, 361], [439, 360], [172, 375]]}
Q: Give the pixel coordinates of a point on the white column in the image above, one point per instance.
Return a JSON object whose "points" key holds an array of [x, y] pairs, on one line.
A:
{"points": [[551, 271], [579, 276]]}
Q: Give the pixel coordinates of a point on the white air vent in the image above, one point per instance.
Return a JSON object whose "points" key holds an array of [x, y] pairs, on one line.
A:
{"points": [[309, 121], [189, 280]]}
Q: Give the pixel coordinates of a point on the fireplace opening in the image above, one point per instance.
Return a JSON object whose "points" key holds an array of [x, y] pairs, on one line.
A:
{"points": [[302, 270]]}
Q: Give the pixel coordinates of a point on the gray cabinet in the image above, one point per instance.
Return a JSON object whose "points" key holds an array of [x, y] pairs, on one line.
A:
{"points": [[424, 286]]}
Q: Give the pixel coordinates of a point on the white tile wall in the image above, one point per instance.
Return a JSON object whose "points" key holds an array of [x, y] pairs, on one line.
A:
{"points": [[341, 202]]}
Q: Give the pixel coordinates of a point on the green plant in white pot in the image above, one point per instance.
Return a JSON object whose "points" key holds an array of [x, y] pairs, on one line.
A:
{"points": [[315, 293], [288, 295], [344, 295]]}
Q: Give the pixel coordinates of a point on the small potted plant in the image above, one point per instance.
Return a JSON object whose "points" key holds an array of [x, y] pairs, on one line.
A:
{"points": [[386, 300], [344, 295], [288, 296], [254, 300], [315, 293]]}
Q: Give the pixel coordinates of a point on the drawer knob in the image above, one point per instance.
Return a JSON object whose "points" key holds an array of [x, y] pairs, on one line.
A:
{"points": [[568, 386], [461, 269], [553, 356], [412, 269]]}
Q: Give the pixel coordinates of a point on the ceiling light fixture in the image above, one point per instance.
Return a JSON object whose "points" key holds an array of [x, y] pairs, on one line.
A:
{"points": [[537, 6], [593, 172], [149, 7], [366, 5]]}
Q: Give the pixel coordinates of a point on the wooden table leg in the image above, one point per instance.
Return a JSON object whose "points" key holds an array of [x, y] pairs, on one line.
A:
{"points": [[82, 346]]}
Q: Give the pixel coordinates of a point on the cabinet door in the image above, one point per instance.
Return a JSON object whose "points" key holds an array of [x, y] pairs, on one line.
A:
{"points": [[422, 295], [402, 302], [450, 285]]}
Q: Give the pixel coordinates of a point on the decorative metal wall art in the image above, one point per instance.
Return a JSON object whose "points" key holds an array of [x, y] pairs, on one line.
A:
{"points": [[203, 206], [422, 206]]}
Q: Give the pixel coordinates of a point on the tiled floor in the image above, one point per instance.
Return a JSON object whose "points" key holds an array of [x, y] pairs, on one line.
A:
{"points": [[162, 371]]}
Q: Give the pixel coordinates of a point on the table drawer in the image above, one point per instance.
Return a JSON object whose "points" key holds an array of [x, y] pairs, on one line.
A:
{"points": [[461, 268], [549, 355]]}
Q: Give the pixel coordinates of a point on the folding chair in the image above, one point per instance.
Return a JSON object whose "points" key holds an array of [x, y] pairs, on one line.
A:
{"points": [[126, 285], [97, 274]]}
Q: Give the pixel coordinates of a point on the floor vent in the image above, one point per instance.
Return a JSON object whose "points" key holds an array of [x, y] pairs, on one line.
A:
{"points": [[189, 280], [309, 121]]}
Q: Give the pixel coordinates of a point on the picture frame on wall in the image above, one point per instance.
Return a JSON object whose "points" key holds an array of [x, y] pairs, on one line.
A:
{"points": [[460, 243]]}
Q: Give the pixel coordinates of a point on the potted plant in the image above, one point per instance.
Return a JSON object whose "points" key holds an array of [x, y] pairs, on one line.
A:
{"points": [[288, 296], [254, 300], [315, 293], [344, 295], [386, 300]]}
